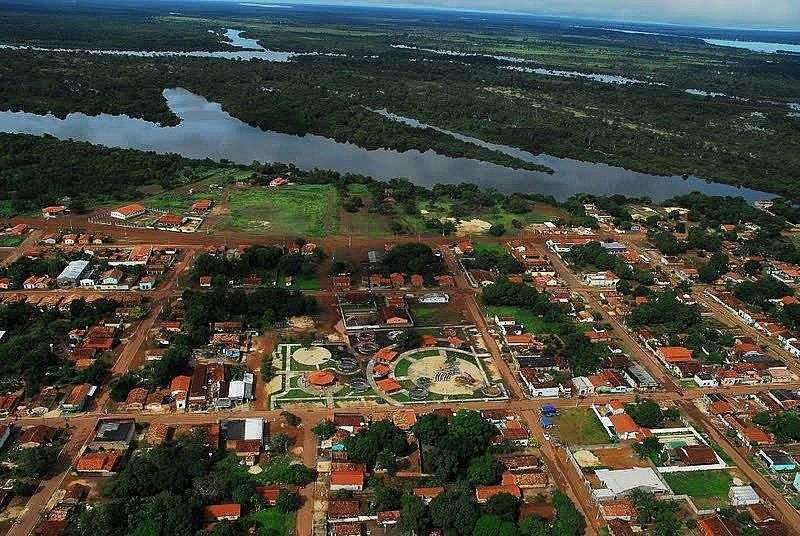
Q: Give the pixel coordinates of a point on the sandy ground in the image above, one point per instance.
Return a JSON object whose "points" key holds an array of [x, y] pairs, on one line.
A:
{"points": [[475, 226], [311, 356], [427, 367]]}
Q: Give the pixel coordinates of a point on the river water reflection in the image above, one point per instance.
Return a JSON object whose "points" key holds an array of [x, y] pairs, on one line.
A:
{"points": [[207, 131]]}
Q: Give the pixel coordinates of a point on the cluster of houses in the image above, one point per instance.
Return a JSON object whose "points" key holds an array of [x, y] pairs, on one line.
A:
{"points": [[524, 474]]}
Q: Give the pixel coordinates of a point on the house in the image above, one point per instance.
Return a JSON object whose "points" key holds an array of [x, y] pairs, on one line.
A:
{"points": [[428, 494], [169, 221], [78, 397], [351, 479], [349, 422], [223, 512], [269, 494], [18, 230], [245, 437], [673, 354], [205, 281], [147, 283], [111, 277], [113, 434], [624, 426], [696, 455], [704, 379], [715, 526], [777, 460], [240, 391], [136, 399], [37, 282], [53, 211], [623, 509], [202, 204], [128, 211], [36, 436], [99, 463], [343, 510], [484, 493]]}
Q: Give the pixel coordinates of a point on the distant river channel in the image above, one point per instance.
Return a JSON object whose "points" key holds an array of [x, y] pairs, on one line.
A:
{"points": [[207, 131]]}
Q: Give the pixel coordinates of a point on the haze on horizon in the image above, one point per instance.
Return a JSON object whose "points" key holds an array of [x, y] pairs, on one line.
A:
{"points": [[763, 14]]}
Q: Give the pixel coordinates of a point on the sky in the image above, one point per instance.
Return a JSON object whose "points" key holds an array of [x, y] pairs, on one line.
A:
{"points": [[782, 14]]}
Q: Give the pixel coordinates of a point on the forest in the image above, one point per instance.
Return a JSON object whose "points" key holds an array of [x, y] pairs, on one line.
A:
{"points": [[651, 128]]}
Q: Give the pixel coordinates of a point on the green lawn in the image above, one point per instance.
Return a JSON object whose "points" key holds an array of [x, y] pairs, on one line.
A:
{"points": [[533, 323], [402, 368], [580, 426], [273, 522], [710, 487], [310, 210]]}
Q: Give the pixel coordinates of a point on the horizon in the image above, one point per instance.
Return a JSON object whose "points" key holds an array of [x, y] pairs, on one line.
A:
{"points": [[611, 16]]}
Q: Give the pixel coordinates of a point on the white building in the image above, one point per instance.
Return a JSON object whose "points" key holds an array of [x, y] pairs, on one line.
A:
{"points": [[743, 496], [704, 379], [435, 297], [601, 279], [621, 482], [72, 273], [241, 390], [128, 211]]}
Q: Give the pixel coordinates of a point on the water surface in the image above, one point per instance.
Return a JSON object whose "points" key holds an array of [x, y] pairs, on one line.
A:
{"points": [[207, 131], [755, 46]]}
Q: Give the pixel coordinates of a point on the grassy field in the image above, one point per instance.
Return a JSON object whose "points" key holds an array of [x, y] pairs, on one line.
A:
{"points": [[309, 210], [707, 488], [579, 426], [533, 323]]}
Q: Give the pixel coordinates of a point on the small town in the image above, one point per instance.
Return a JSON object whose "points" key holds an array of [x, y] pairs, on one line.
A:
{"points": [[638, 373]]}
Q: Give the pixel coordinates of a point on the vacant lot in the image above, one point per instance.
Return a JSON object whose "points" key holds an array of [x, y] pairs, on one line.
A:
{"points": [[706, 488], [309, 210], [580, 426]]}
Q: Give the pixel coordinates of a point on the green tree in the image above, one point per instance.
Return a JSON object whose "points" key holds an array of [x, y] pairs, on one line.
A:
{"points": [[503, 505], [484, 470], [288, 501], [489, 525], [324, 429], [454, 512], [414, 515]]}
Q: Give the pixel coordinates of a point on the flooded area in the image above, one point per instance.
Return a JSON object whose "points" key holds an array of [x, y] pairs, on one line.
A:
{"points": [[207, 131]]}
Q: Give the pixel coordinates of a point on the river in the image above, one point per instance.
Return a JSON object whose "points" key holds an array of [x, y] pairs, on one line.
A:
{"points": [[207, 131]]}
